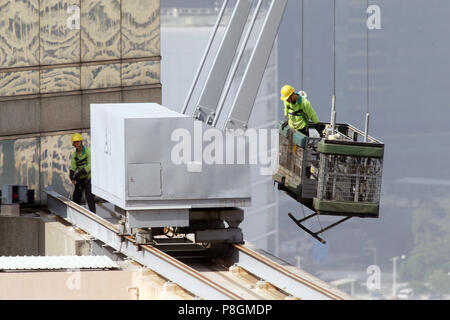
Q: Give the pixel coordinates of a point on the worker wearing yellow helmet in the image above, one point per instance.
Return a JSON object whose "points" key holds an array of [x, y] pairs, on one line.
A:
{"points": [[80, 172], [297, 109]]}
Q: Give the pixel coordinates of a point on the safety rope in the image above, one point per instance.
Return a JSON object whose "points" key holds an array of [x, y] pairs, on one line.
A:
{"points": [[367, 66], [302, 34], [334, 48]]}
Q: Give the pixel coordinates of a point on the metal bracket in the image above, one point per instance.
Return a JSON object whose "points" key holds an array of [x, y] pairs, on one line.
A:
{"points": [[204, 114], [123, 230], [315, 234], [143, 236], [235, 124]]}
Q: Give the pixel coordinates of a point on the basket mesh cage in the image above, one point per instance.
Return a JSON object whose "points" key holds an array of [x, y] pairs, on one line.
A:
{"points": [[349, 178], [290, 157], [284, 151]]}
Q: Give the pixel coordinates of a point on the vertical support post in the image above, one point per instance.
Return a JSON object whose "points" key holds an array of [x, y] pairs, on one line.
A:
{"points": [[333, 114], [333, 192], [357, 186], [366, 134], [394, 277]]}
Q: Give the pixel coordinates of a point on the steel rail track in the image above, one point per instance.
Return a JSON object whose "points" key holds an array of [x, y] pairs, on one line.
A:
{"points": [[251, 259], [156, 260], [278, 275]]}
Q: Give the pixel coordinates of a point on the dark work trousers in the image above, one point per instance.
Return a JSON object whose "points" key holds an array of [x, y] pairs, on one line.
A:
{"points": [[305, 131], [84, 184]]}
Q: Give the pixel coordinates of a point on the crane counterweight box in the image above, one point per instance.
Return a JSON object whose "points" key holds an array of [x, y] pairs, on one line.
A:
{"points": [[136, 151]]}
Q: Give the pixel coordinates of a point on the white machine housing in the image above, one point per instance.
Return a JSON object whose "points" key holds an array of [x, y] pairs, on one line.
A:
{"points": [[132, 166]]}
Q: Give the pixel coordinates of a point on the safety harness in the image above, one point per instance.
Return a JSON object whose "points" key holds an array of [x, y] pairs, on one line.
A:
{"points": [[300, 112]]}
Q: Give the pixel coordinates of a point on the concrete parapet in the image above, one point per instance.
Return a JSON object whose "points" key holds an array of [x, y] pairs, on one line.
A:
{"points": [[62, 240], [10, 210], [66, 285], [19, 236], [40, 236]]}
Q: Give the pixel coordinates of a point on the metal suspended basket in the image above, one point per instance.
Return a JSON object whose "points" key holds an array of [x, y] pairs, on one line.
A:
{"points": [[338, 175]]}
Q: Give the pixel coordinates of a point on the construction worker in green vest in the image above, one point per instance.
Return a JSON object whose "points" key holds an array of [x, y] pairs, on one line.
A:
{"points": [[298, 110], [80, 172]]}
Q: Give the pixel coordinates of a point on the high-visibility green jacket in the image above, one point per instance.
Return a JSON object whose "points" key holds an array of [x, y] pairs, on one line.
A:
{"points": [[80, 161], [300, 113]]}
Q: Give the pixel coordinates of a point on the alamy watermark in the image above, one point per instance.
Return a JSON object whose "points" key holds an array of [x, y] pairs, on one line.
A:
{"points": [[74, 279], [374, 17], [374, 280], [373, 20], [73, 21], [231, 147]]}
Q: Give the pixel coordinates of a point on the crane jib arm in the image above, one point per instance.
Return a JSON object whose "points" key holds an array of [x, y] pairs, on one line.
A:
{"points": [[245, 98], [217, 76]]}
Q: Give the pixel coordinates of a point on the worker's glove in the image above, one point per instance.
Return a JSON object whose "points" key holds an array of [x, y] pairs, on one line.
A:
{"points": [[79, 173], [71, 175], [322, 133], [321, 129], [284, 125]]}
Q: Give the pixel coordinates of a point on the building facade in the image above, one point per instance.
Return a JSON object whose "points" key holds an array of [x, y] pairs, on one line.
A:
{"points": [[56, 58]]}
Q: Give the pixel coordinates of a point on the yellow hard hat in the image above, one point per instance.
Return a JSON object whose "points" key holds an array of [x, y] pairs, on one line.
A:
{"points": [[77, 137], [286, 92]]}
